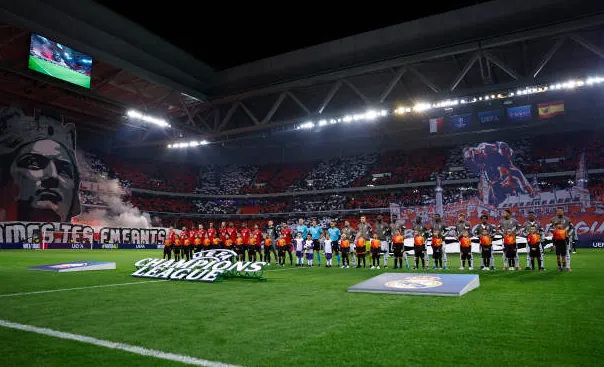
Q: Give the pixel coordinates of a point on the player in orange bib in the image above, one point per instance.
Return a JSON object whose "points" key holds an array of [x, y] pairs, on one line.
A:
{"points": [[167, 249], [560, 238], [376, 250], [535, 248], [361, 248], [486, 247], [281, 248], [177, 245], [345, 251], [240, 248], [437, 249], [398, 244], [419, 249], [465, 250], [510, 249]]}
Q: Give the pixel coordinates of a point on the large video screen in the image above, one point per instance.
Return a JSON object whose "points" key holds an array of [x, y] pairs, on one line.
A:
{"points": [[59, 61]]}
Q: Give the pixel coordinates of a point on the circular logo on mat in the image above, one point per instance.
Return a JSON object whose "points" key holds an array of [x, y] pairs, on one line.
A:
{"points": [[416, 282]]}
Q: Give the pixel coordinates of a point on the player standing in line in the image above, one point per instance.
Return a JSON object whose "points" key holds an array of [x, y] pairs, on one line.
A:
{"points": [[211, 233], [258, 236], [316, 231], [376, 249], [386, 244], [419, 226], [286, 232], [345, 249], [282, 246], [302, 228], [486, 226], [268, 248], [349, 232], [223, 233], [507, 222], [510, 249], [328, 249], [437, 225], [560, 237], [299, 246], [462, 225], [239, 247], [334, 236], [176, 247], [364, 229], [419, 248], [361, 248], [251, 248], [437, 249], [465, 250], [526, 230], [246, 234], [184, 242], [200, 236], [169, 242], [308, 250], [398, 242], [535, 248], [486, 248], [382, 229]]}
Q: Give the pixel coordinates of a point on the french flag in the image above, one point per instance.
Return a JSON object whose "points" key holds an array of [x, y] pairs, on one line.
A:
{"points": [[435, 125]]}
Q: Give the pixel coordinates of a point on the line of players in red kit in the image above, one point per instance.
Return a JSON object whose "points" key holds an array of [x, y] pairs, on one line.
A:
{"points": [[256, 243]]}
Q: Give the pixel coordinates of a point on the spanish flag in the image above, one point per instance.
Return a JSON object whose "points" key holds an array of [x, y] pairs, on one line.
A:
{"points": [[551, 109]]}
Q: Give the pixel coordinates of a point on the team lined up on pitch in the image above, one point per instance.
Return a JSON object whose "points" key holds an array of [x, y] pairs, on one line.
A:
{"points": [[380, 241]]}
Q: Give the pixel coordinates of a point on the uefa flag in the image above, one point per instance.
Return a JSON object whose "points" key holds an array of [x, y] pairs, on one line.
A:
{"points": [[551, 109], [436, 124]]}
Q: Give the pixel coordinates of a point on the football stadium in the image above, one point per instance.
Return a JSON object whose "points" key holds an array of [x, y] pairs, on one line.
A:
{"points": [[413, 187]]}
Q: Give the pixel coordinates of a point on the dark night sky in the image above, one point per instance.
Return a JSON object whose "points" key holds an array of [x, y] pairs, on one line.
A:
{"points": [[224, 35]]}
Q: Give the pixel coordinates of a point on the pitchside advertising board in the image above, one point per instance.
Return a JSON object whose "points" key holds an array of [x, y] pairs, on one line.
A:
{"points": [[205, 266]]}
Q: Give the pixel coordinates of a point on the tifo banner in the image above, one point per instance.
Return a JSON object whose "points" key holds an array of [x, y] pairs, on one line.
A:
{"points": [[490, 117], [40, 176], [54, 234], [205, 266], [503, 186], [519, 113]]}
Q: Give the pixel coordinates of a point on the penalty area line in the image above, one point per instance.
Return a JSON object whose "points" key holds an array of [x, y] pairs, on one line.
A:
{"points": [[116, 346], [78, 288]]}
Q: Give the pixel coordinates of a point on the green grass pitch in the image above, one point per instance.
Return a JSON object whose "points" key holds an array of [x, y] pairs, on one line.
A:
{"points": [[302, 317], [59, 72]]}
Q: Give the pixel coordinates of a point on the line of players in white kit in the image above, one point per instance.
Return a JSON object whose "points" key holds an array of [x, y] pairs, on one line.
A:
{"points": [[379, 241]]}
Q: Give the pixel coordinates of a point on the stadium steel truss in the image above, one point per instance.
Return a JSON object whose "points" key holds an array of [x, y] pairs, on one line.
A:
{"points": [[417, 61]]}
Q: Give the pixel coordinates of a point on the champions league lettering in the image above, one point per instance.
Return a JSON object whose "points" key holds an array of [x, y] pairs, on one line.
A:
{"points": [[16, 232], [205, 266]]}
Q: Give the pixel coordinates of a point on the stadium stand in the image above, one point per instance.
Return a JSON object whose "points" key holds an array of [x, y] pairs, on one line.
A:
{"points": [[337, 173]]}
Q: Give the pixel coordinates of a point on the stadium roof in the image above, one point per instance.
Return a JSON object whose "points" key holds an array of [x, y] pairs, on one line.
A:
{"points": [[250, 32], [493, 44]]}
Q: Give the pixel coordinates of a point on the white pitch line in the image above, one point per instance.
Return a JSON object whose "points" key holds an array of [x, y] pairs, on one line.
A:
{"points": [[78, 288], [114, 345]]}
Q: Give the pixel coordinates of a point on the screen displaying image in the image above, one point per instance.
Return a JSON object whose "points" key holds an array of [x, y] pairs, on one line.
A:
{"points": [[59, 61]]}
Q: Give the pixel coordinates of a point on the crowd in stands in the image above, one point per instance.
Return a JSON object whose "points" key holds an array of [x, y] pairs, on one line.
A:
{"points": [[550, 153], [337, 173]]}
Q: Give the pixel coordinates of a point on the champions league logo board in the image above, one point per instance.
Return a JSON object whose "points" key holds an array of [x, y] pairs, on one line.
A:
{"points": [[419, 284], [205, 266]]}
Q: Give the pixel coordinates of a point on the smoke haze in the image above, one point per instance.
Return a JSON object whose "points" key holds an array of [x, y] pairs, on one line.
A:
{"points": [[118, 213]]}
